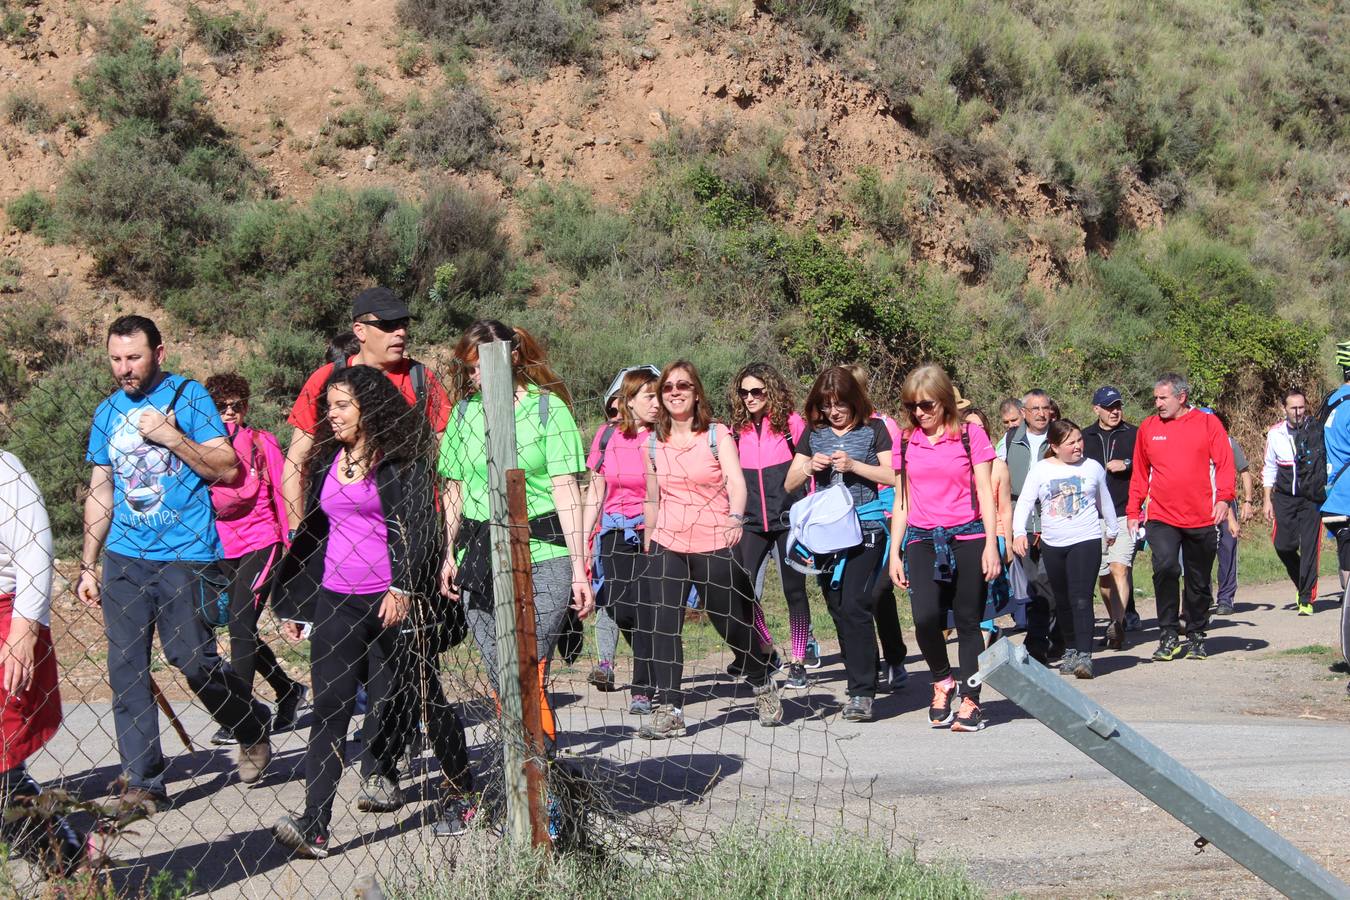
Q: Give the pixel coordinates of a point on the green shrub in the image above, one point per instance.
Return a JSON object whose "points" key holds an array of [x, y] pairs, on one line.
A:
{"points": [[232, 35], [370, 125], [1085, 60], [566, 225], [883, 204], [281, 360], [34, 213], [463, 229], [534, 34], [15, 24], [26, 110], [456, 129], [13, 384]]}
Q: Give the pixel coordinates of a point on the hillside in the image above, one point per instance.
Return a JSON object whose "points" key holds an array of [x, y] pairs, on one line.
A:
{"points": [[1035, 192]]}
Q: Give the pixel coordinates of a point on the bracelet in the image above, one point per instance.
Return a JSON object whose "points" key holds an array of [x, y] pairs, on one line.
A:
{"points": [[739, 517], [290, 535]]}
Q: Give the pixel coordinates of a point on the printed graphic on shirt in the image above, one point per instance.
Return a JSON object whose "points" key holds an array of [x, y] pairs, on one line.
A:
{"points": [[144, 471], [1067, 497]]}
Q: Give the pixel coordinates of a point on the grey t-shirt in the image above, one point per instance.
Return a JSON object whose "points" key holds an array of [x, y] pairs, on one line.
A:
{"points": [[862, 444]]}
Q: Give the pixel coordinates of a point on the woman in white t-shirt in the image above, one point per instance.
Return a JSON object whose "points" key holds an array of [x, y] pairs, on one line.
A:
{"points": [[1072, 494]]}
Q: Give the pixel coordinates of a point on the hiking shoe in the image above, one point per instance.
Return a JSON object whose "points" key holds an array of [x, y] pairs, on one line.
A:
{"points": [[1082, 665], [796, 677], [1115, 636], [1168, 648], [253, 760], [641, 705], [1066, 662], [858, 709], [379, 794], [812, 660], [940, 712], [1340, 667], [602, 676], [768, 705], [307, 839], [1133, 622], [223, 737], [666, 723], [288, 707], [1195, 647], [456, 815], [898, 676], [1223, 608], [1305, 608], [130, 800], [969, 718]]}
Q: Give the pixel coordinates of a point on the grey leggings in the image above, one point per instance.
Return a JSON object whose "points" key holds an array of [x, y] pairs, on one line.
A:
{"points": [[552, 580]]}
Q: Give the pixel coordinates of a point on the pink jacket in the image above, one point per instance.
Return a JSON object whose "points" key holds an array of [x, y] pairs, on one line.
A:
{"points": [[266, 523]]}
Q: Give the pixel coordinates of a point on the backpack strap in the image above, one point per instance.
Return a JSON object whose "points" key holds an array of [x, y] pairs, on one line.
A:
{"points": [[461, 409], [340, 363], [965, 442], [177, 394], [712, 441], [543, 409], [651, 449], [605, 437], [418, 376]]}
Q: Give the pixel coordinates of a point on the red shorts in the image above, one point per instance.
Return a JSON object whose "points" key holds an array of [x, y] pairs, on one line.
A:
{"points": [[28, 720]]}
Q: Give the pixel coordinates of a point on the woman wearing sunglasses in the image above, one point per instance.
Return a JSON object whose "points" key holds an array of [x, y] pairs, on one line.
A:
{"points": [[845, 444], [944, 544], [767, 430], [613, 522], [696, 506]]}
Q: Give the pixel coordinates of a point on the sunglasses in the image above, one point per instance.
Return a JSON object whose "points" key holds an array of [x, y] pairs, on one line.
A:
{"points": [[232, 406], [926, 406], [757, 393], [388, 326], [671, 387]]}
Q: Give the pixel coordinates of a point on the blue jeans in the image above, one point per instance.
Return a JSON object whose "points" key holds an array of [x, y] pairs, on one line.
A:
{"points": [[1228, 563], [139, 597]]}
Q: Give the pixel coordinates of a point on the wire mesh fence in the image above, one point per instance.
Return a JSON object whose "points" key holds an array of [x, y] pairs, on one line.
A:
{"points": [[316, 710]]}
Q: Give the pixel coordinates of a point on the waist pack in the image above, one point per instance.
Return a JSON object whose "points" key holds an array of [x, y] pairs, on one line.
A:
{"points": [[821, 524], [232, 501]]}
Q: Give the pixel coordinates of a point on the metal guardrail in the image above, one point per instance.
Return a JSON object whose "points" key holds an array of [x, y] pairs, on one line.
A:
{"points": [[1011, 671]]}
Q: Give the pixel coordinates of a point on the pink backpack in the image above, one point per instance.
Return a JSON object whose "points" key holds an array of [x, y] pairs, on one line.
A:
{"points": [[234, 500]]}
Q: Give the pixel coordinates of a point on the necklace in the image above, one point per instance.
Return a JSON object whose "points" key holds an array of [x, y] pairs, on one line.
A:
{"points": [[350, 463]]}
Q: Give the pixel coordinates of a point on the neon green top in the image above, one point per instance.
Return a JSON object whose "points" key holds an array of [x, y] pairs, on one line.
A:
{"points": [[544, 451]]}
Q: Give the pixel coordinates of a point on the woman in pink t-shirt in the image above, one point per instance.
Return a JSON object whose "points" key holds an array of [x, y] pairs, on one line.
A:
{"points": [[253, 540], [944, 544], [613, 520], [695, 511]]}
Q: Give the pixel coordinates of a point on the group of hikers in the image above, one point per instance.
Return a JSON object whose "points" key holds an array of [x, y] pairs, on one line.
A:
{"points": [[368, 535]]}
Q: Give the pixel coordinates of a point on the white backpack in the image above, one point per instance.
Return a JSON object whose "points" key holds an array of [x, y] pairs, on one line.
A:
{"points": [[820, 524]]}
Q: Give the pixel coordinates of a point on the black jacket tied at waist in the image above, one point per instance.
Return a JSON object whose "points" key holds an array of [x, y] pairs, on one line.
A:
{"points": [[475, 565]]}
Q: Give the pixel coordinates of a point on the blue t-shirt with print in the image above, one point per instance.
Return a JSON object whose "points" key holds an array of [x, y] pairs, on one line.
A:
{"points": [[1336, 436], [161, 508]]}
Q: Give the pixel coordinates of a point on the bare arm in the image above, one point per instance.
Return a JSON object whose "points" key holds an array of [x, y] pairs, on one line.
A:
{"points": [[567, 499], [651, 506], [899, 522], [452, 504], [984, 489], [291, 489], [595, 501], [213, 460], [797, 473], [98, 509]]}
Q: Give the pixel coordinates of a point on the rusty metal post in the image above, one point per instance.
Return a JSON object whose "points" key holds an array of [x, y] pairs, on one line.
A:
{"points": [[531, 689]]}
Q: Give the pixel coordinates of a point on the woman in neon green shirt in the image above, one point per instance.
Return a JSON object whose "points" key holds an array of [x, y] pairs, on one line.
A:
{"points": [[549, 450]]}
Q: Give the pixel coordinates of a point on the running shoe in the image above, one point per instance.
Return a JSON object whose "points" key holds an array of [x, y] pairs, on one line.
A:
{"points": [[223, 737], [379, 794], [1066, 662], [858, 709], [303, 836], [456, 814], [1223, 608], [898, 676], [1340, 667], [812, 660], [1082, 665], [602, 676], [1195, 647], [1168, 648], [1133, 622], [1305, 608], [796, 677], [768, 705], [1115, 636], [641, 705], [666, 723], [288, 707], [969, 718], [775, 662], [940, 710]]}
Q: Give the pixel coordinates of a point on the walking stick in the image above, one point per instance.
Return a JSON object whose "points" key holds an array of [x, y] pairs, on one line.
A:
{"points": [[163, 703]]}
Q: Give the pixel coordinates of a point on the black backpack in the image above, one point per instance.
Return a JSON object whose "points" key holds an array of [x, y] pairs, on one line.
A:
{"points": [[1310, 456], [417, 374]]}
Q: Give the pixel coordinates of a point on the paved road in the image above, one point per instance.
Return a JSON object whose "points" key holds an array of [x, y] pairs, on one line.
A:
{"points": [[1022, 809]]}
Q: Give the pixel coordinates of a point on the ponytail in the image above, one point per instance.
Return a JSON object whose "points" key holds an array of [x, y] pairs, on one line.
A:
{"points": [[529, 362]]}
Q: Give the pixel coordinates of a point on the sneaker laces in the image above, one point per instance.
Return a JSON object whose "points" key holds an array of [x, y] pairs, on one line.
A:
{"points": [[942, 695], [968, 708]]}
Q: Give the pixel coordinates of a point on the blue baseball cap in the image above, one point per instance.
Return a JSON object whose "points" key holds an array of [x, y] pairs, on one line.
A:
{"points": [[1107, 396]]}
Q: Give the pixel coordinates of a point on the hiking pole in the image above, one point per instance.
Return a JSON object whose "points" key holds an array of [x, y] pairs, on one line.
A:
{"points": [[163, 703]]}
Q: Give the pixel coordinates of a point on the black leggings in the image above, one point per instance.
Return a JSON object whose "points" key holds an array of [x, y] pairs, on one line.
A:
{"points": [[624, 565], [723, 587], [247, 653], [890, 634], [754, 546], [1072, 571], [852, 605], [417, 696], [964, 595]]}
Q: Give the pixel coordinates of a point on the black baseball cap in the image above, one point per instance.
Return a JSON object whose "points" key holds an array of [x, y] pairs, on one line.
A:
{"points": [[381, 303], [1106, 396]]}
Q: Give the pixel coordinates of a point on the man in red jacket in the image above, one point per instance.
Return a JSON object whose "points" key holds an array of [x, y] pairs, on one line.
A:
{"points": [[1183, 465]]}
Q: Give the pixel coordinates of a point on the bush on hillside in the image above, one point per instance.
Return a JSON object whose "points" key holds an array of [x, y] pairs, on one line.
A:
{"points": [[461, 229], [534, 34], [566, 225], [232, 35], [27, 111], [34, 213], [456, 129]]}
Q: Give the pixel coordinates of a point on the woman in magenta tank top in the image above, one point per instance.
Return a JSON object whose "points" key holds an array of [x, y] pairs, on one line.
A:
{"points": [[695, 510]]}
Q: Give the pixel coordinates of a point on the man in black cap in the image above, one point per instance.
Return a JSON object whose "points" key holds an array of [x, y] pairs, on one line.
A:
{"points": [[1110, 441]]}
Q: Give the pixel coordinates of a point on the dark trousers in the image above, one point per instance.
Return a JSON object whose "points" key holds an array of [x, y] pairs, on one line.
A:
{"points": [[1173, 547], [625, 565], [347, 630], [416, 694], [1298, 541], [1228, 563], [964, 595], [1042, 638], [247, 653], [1072, 572], [853, 607], [724, 587], [751, 551], [140, 597], [892, 638]]}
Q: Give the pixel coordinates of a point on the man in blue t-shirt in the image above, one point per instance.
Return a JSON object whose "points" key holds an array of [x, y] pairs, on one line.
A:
{"points": [[1336, 508], [157, 444]]}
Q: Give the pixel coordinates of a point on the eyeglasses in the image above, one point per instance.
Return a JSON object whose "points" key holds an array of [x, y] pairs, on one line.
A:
{"points": [[232, 406], [682, 387], [926, 406], [757, 393], [388, 326], [834, 404]]}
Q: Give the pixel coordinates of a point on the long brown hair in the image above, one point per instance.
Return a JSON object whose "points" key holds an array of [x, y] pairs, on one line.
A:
{"points": [[529, 363], [1057, 433], [633, 383], [932, 380], [777, 394], [837, 383], [702, 412]]}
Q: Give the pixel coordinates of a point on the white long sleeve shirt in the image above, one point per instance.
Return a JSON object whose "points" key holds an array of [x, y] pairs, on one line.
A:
{"points": [[1280, 454], [26, 554], [1074, 499]]}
